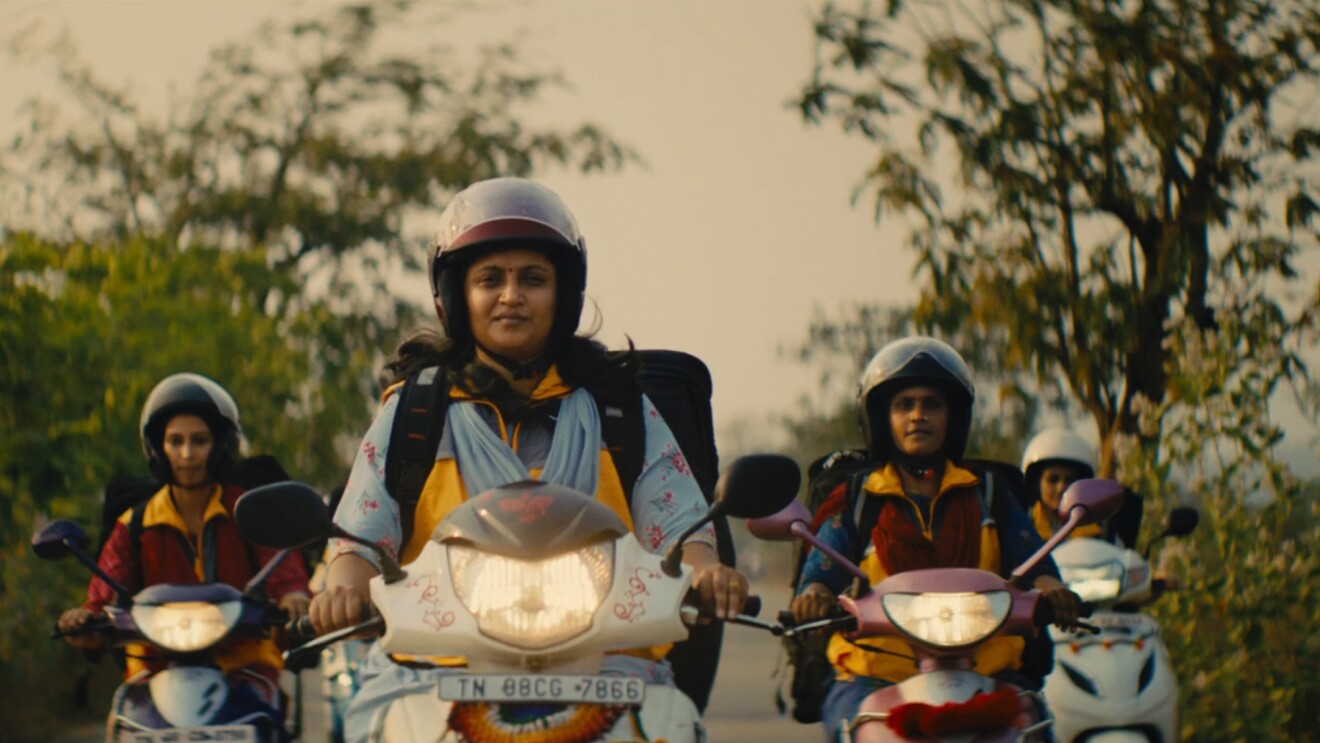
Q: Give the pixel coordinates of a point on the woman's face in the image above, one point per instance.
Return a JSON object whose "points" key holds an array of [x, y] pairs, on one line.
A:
{"points": [[511, 302], [187, 445], [919, 421], [1054, 479]]}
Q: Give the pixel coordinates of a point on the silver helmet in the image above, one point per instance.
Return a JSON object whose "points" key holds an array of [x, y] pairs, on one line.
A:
{"points": [[912, 361]]}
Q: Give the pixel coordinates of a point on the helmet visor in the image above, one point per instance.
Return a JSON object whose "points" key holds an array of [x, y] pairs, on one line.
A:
{"points": [[505, 209], [895, 357]]}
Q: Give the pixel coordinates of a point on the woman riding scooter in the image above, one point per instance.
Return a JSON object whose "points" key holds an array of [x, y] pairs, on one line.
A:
{"points": [[183, 534], [916, 398], [1056, 458], [508, 272]]}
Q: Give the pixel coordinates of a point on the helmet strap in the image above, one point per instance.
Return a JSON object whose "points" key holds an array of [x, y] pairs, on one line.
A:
{"points": [[518, 369], [922, 468]]}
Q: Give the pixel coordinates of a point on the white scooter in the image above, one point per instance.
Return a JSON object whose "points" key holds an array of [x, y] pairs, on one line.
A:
{"points": [[1117, 684], [532, 584]]}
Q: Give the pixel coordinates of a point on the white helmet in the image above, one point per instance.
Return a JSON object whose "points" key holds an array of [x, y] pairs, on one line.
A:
{"points": [[1057, 445]]}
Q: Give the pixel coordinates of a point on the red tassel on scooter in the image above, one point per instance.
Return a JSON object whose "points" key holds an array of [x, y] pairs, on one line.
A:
{"points": [[993, 710]]}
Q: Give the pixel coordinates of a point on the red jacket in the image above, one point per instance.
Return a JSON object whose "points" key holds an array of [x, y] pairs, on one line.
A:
{"points": [[167, 555]]}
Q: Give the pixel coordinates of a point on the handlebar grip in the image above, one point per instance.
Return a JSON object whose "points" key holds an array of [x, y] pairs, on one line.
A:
{"points": [[751, 607], [300, 631], [91, 628]]}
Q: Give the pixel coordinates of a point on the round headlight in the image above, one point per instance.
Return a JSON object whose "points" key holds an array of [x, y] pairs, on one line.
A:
{"points": [[1101, 582], [533, 604], [186, 626], [948, 619]]}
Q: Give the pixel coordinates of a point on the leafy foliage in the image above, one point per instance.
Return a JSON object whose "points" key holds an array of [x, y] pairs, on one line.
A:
{"points": [[85, 331], [249, 234], [842, 344], [1237, 629], [1083, 171], [313, 139], [1112, 198]]}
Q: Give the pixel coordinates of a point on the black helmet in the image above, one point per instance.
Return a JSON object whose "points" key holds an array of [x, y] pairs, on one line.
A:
{"points": [[917, 360], [502, 213], [196, 395]]}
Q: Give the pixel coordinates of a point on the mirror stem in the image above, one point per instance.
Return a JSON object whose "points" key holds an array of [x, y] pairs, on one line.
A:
{"points": [[389, 567], [673, 562], [1019, 575], [259, 579], [803, 532], [125, 598]]}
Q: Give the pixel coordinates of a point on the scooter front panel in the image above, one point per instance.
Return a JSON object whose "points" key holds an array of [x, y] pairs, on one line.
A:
{"points": [[189, 696], [234, 713], [935, 689], [1119, 681], [666, 715], [942, 687]]}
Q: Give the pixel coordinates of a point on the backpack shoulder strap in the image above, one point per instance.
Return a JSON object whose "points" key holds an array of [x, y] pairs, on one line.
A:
{"points": [[865, 512], [419, 422], [623, 430], [135, 528], [987, 493]]}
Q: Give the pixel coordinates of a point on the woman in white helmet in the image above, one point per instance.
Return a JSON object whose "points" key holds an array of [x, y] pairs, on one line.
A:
{"points": [[1054, 459]]}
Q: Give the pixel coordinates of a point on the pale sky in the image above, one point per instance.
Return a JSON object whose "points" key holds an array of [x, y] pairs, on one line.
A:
{"points": [[739, 226], [740, 222]]}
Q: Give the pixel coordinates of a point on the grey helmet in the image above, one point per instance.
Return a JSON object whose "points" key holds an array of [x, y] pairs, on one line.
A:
{"points": [[501, 213], [196, 395], [916, 360]]}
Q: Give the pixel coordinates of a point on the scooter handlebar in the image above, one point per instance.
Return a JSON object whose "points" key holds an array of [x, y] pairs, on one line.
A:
{"points": [[300, 631], [1045, 617], [97, 625]]}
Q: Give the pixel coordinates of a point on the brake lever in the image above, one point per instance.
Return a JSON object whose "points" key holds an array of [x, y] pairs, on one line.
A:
{"points": [[295, 657]]}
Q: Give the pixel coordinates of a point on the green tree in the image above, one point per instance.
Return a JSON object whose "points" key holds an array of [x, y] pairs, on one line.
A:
{"points": [[85, 331], [1110, 198], [1085, 174], [315, 140], [248, 234]]}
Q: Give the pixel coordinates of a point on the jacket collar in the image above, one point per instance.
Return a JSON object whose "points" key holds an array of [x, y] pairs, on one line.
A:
{"points": [[886, 481]]}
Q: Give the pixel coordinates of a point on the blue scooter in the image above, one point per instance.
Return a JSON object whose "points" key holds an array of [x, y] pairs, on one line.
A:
{"points": [[188, 698]]}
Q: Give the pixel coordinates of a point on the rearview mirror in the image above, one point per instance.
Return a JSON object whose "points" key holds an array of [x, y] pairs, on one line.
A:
{"points": [[59, 539], [1182, 521], [757, 485], [282, 515], [1099, 497], [778, 527]]}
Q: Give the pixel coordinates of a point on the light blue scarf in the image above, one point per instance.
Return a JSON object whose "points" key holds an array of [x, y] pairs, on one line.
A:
{"points": [[485, 461]]}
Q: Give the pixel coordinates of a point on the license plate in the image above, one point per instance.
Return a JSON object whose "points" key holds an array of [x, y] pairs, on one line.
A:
{"points": [[209, 734], [542, 688], [1129, 622]]}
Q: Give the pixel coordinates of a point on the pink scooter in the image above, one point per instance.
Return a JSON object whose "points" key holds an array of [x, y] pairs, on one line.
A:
{"points": [[945, 614]]}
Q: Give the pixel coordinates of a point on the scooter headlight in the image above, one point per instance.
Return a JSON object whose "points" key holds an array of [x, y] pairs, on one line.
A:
{"points": [[1103, 582], [948, 620], [533, 604], [186, 626]]}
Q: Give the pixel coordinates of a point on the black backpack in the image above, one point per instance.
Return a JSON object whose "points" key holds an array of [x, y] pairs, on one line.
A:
{"points": [[679, 385], [812, 673]]}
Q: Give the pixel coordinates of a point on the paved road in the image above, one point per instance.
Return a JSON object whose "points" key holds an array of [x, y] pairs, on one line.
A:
{"points": [[741, 708]]}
